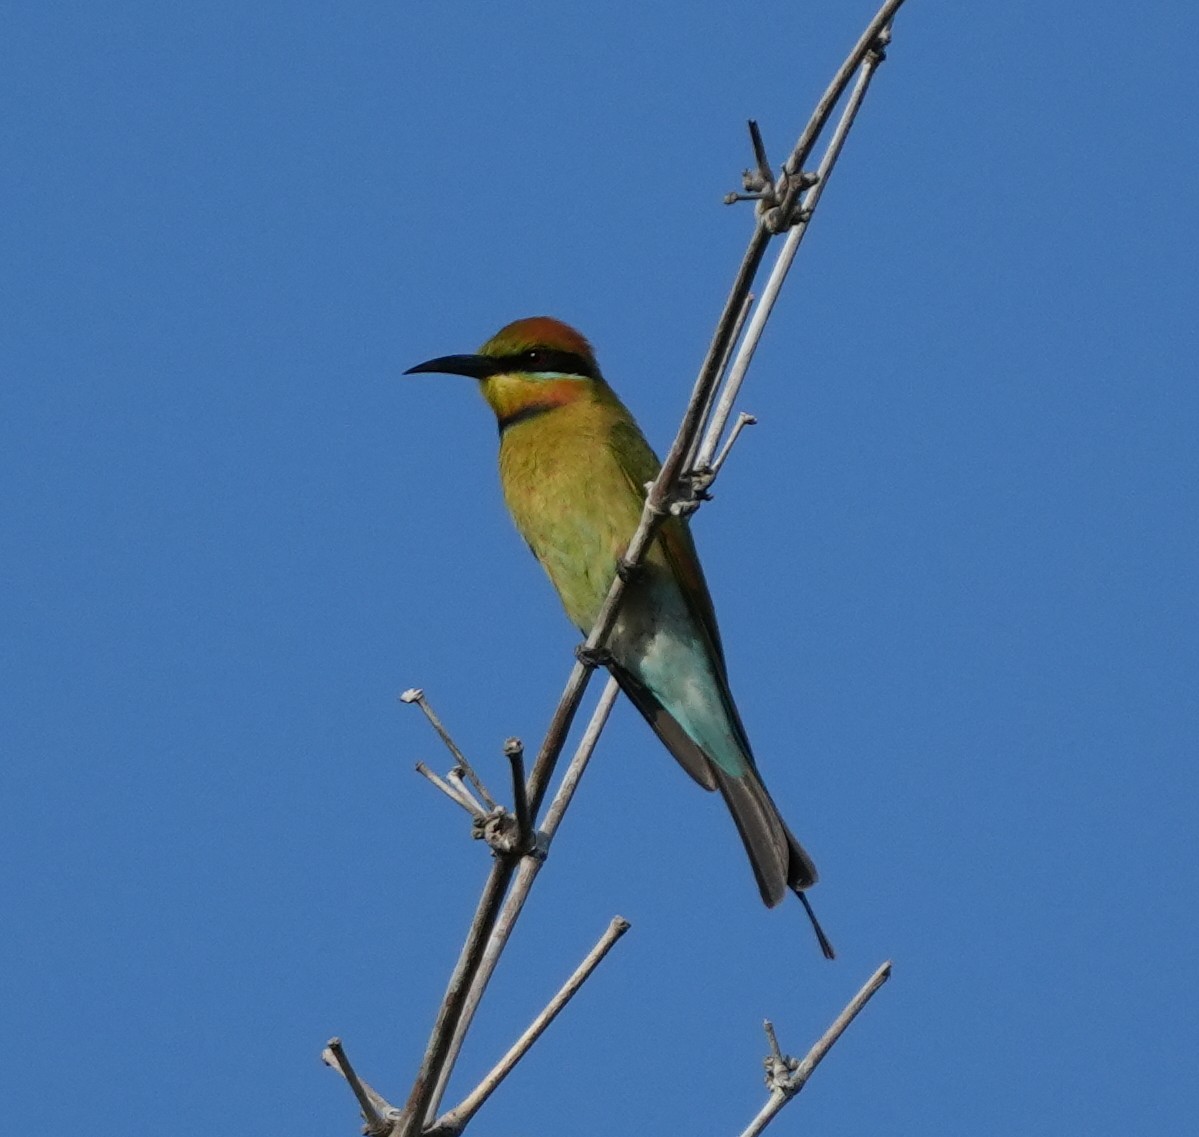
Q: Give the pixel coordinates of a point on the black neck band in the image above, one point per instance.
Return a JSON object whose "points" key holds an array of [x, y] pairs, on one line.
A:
{"points": [[525, 413]]}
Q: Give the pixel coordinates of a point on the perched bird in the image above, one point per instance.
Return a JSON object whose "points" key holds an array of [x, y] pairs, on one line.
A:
{"points": [[574, 467]]}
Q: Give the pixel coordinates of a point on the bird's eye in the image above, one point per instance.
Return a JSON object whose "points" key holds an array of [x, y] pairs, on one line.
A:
{"points": [[535, 357]]}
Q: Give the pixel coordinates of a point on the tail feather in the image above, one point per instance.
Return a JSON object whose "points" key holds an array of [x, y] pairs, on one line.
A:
{"points": [[779, 861]]}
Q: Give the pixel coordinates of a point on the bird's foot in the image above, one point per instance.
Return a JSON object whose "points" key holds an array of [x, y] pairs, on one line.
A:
{"points": [[593, 656], [629, 572]]}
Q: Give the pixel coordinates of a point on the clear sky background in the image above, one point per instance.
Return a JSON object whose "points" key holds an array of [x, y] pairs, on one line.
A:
{"points": [[954, 564]]}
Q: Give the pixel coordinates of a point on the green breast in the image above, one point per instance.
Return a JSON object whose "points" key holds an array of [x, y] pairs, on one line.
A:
{"points": [[570, 500]]}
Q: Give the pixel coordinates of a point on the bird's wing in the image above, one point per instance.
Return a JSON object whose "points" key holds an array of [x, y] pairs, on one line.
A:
{"points": [[640, 465], [778, 859], [666, 727]]}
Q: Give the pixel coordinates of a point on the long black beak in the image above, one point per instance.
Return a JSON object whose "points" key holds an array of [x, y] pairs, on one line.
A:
{"points": [[476, 366]]}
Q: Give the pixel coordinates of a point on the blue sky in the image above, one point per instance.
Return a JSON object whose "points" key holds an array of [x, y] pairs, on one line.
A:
{"points": [[954, 564]]}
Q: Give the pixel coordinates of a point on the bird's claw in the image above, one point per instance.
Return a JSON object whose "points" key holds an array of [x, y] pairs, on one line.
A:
{"points": [[593, 656], [628, 572]]}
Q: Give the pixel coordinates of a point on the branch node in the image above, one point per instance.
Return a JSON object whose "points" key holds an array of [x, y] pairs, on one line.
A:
{"points": [[759, 182], [498, 829], [504, 836], [878, 50], [654, 508], [779, 1066], [701, 478], [690, 493]]}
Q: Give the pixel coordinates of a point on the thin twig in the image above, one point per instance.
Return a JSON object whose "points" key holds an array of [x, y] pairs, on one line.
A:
{"points": [[776, 1054], [515, 753], [451, 791], [692, 463], [743, 420], [582, 756], [454, 777], [785, 1086], [377, 1112], [456, 1119]]}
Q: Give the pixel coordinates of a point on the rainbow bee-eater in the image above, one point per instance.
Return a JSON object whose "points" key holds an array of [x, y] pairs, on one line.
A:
{"points": [[574, 467]]}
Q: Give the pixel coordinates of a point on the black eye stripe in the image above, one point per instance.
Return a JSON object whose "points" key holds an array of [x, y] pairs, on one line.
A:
{"points": [[549, 359]]}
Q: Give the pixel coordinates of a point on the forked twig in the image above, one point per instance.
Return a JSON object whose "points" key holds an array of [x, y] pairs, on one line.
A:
{"points": [[454, 1121], [786, 1077], [743, 420]]}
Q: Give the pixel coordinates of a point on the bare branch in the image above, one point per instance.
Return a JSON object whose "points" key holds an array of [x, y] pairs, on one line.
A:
{"points": [[526, 874], [582, 756], [413, 1117], [743, 420], [786, 1077], [456, 1119]]}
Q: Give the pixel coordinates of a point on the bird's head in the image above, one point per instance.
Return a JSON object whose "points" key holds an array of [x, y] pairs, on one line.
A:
{"points": [[529, 366]]}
